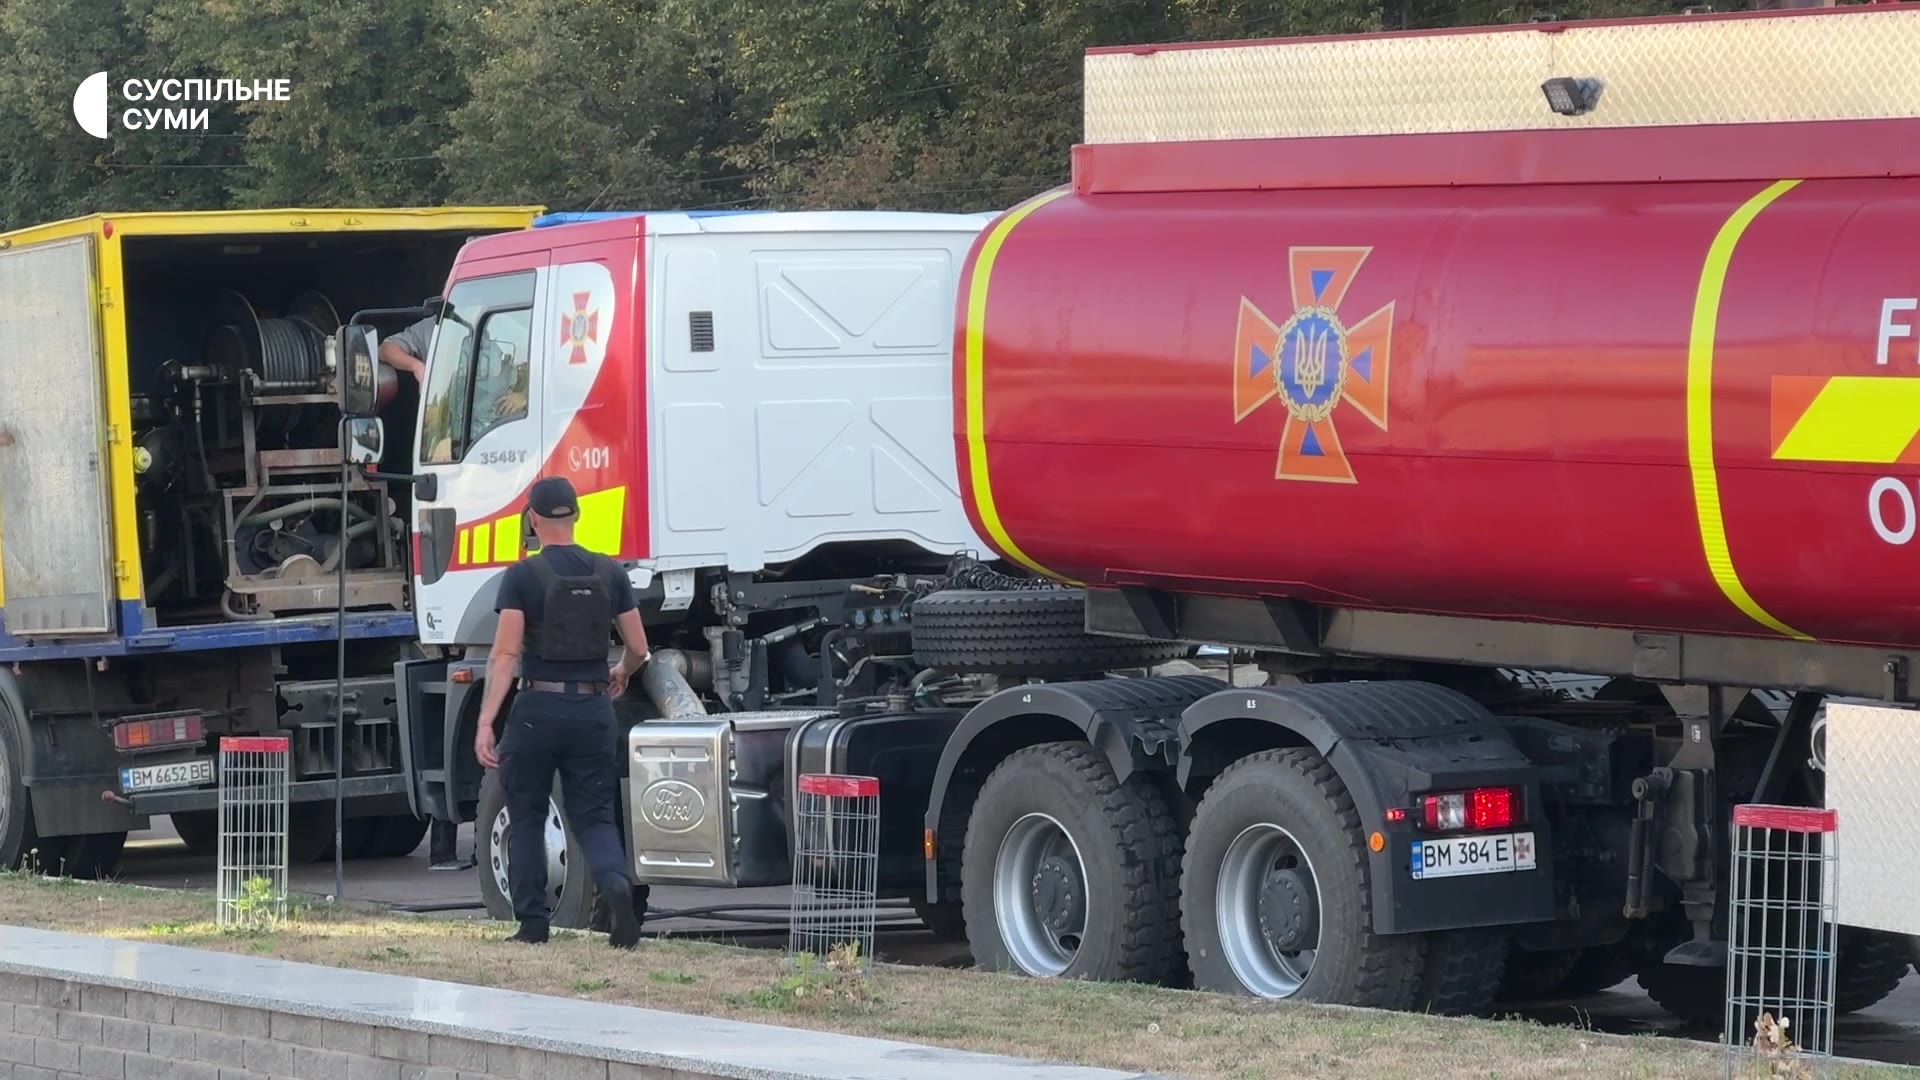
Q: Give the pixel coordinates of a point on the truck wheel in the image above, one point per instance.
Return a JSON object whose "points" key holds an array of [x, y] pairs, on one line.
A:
{"points": [[1067, 872], [570, 891], [1029, 632], [310, 832], [1871, 965], [1601, 967], [94, 856], [395, 836], [1277, 892], [1696, 995], [16, 815], [1463, 972], [199, 830], [946, 922], [1532, 975]]}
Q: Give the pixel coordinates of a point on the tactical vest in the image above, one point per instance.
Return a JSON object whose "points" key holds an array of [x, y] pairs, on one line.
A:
{"points": [[576, 614]]}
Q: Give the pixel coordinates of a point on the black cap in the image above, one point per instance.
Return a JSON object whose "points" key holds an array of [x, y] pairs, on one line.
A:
{"points": [[553, 497]]}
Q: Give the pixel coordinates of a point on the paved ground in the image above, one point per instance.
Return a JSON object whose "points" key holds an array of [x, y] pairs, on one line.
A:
{"points": [[1890, 1031]]}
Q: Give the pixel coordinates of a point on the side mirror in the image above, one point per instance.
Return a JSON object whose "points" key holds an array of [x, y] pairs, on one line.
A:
{"points": [[434, 306], [366, 439], [353, 355], [426, 487]]}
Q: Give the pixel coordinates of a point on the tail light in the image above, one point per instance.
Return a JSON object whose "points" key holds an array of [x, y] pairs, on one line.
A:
{"points": [[172, 730], [1480, 808]]}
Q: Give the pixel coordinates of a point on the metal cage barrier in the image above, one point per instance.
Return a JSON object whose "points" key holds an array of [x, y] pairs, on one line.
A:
{"points": [[836, 862], [252, 887], [1782, 938]]}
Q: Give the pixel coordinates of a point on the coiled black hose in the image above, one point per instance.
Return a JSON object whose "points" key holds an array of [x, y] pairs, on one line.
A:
{"points": [[291, 352]]}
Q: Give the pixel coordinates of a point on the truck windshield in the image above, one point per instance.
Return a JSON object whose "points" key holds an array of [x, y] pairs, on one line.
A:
{"points": [[488, 369]]}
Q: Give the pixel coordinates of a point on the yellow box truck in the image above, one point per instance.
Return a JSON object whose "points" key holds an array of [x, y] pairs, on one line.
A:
{"points": [[170, 514]]}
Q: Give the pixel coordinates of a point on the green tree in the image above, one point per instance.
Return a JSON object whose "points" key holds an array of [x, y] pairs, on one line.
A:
{"points": [[51, 169], [584, 103], [372, 84]]}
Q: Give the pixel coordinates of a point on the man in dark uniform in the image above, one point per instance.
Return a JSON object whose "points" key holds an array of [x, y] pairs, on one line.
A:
{"points": [[561, 602]]}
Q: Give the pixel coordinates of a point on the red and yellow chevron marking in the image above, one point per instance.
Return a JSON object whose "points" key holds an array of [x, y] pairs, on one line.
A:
{"points": [[496, 542], [1848, 419]]}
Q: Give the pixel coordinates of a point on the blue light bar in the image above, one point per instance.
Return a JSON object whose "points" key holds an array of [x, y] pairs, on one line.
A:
{"points": [[569, 217]]}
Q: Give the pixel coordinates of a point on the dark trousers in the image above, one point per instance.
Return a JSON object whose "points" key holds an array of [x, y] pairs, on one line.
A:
{"points": [[573, 735]]}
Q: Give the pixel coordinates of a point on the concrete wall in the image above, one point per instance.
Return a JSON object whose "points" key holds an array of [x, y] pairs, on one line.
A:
{"points": [[101, 1009], [53, 1029]]}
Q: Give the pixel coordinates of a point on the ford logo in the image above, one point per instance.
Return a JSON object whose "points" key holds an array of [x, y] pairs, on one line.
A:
{"points": [[673, 806]]}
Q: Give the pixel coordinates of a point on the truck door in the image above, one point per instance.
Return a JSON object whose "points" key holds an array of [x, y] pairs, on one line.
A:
{"points": [[479, 432], [55, 546]]}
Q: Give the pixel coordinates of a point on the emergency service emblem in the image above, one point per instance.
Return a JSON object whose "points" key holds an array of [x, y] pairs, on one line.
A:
{"points": [[578, 327], [1314, 363]]}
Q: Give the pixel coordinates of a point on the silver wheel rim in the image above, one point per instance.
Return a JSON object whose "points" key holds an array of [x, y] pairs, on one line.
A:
{"points": [[1040, 899], [1253, 860], [556, 855]]}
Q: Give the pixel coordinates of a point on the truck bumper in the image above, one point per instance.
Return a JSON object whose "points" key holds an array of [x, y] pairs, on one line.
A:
{"points": [[354, 788]]}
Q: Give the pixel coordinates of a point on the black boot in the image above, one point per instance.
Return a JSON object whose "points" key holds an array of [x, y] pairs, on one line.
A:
{"points": [[617, 893], [532, 931]]}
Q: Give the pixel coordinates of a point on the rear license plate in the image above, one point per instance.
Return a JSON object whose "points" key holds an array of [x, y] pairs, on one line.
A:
{"points": [[172, 775], [1459, 856]]}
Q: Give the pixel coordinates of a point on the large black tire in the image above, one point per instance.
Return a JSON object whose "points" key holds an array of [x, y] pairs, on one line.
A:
{"points": [[94, 856], [1126, 899], [1037, 633], [199, 830], [87, 857], [1601, 967], [1871, 965], [572, 899], [1297, 792], [16, 813], [946, 922], [1463, 971], [1531, 975], [310, 832], [395, 836]]}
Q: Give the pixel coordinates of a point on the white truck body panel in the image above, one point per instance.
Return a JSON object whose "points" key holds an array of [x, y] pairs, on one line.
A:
{"points": [[823, 413], [1874, 788]]}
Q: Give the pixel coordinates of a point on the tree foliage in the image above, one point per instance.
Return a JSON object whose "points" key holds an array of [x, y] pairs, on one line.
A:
{"points": [[906, 104]]}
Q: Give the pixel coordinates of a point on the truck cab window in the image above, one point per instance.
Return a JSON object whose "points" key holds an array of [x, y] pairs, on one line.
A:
{"points": [[477, 376], [500, 382]]}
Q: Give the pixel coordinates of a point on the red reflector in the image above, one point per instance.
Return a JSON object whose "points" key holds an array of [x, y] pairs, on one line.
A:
{"points": [[1492, 808], [1396, 814]]}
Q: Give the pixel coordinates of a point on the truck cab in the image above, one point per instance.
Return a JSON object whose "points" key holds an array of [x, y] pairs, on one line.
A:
{"points": [[754, 408]]}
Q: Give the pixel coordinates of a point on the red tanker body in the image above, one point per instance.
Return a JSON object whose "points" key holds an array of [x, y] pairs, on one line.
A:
{"points": [[1681, 407], [1448, 351], [1386, 364]]}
